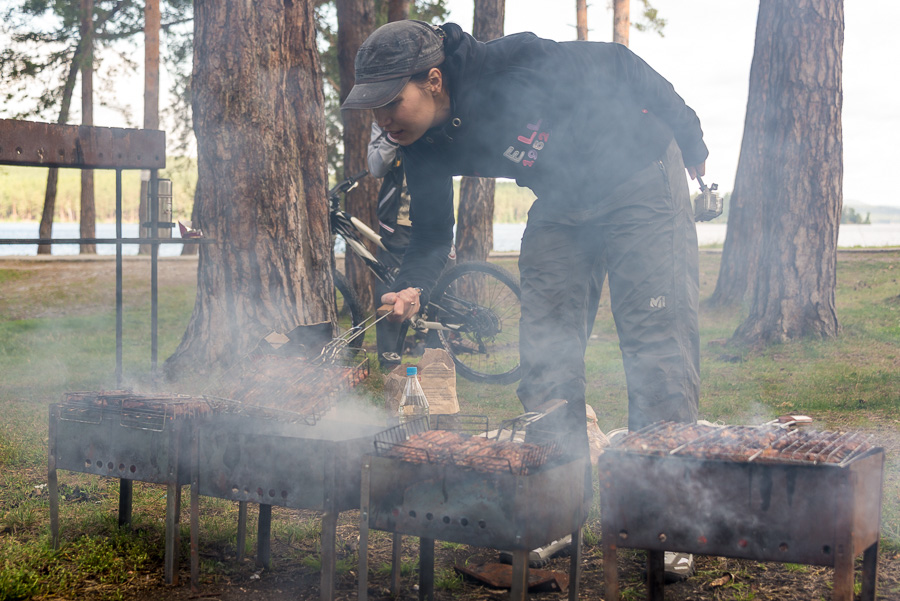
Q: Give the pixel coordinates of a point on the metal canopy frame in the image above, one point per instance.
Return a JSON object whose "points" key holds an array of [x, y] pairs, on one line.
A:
{"points": [[37, 144]]}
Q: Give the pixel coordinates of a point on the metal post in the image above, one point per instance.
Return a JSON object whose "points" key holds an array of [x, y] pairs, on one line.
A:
{"points": [[153, 193], [118, 278], [126, 487], [518, 591], [575, 565], [396, 562], [52, 483], [426, 569], [363, 577], [264, 536], [195, 511], [242, 529], [655, 575]]}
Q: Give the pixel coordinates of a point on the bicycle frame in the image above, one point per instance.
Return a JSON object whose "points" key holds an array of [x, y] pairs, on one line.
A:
{"points": [[350, 229]]}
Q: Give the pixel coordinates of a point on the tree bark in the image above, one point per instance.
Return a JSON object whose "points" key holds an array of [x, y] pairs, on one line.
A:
{"points": [[581, 26], [800, 174], [621, 21], [45, 230], [87, 214], [398, 10], [152, 18], [743, 238], [259, 120], [356, 20], [475, 227]]}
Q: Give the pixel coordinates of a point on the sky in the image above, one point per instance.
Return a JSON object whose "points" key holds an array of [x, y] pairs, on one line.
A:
{"points": [[706, 54]]}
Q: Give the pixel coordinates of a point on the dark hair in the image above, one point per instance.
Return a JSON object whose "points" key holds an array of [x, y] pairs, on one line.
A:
{"points": [[453, 36]]}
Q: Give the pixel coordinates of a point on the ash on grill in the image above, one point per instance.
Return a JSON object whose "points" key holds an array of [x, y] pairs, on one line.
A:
{"points": [[445, 478], [757, 492]]}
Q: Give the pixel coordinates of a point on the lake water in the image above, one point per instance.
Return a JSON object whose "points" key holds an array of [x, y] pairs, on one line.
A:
{"points": [[507, 237]]}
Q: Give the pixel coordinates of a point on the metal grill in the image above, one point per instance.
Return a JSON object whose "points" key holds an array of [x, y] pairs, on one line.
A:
{"points": [[463, 441], [440, 494], [754, 492], [762, 444]]}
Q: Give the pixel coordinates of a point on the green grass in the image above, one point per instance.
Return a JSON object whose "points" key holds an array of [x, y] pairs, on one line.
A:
{"points": [[64, 339]]}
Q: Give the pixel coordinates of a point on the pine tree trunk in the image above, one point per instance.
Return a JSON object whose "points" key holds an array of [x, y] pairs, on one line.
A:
{"points": [[581, 26], [45, 230], [152, 18], [259, 121], [799, 171], [356, 20], [398, 10], [475, 227], [621, 21], [87, 214]]}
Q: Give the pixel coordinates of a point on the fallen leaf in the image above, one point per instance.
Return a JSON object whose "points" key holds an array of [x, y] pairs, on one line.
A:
{"points": [[725, 579]]}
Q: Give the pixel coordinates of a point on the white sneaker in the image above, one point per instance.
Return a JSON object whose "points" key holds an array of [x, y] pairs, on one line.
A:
{"points": [[677, 566]]}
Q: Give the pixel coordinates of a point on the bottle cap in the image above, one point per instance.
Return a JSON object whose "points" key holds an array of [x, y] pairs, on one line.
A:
{"points": [[411, 371]]}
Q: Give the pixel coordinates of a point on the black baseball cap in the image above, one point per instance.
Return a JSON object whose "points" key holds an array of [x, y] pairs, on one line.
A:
{"points": [[388, 58]]}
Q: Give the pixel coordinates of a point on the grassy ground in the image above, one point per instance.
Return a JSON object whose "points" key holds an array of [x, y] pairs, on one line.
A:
{"points": [[57, 334]]}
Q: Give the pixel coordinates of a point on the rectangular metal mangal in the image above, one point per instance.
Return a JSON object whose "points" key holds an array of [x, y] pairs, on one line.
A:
{"points": [[760, 511], [453, 503]]}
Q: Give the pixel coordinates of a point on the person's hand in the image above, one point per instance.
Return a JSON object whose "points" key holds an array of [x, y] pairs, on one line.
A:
{"points": [[695, 170], [406, 303]]}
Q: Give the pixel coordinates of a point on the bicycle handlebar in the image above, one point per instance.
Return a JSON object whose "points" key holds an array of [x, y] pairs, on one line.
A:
{"points": [[347, 185]]}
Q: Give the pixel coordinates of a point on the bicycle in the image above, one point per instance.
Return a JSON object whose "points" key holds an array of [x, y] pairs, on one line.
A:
{"points": [[474, 306]]}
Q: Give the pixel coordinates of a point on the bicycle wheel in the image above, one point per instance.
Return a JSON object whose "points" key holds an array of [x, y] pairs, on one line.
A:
{"points": [[478, 305], [349, 313]]}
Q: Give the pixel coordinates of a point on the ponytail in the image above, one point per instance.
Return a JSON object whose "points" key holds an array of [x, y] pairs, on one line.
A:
{"points": [[453, 37]]}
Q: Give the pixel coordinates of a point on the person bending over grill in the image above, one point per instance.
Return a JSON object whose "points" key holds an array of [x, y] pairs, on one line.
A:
{"points": [[384, 161], [602, 140]]}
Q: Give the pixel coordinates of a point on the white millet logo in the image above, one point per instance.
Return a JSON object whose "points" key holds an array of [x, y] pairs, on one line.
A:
{"points": [[658, 302]]}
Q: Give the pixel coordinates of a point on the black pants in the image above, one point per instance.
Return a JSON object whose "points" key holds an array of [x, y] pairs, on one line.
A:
{"points": [[643, 233]]}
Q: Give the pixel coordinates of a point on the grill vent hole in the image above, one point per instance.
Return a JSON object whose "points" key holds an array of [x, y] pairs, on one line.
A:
{"points": [[429, 516], [446, 519], [271, 492], [464, 521], [623, 534], [121, 467], [235, 490], [132, 469], [284, 494], [826, 549], [482, 524], [662, 537], [87, 463], [99, 463], [783, 547], [110, 465], [260, 492], [412, 514]]}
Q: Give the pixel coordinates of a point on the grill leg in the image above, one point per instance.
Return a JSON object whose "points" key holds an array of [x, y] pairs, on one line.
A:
{"points": [[426, 569], [363, 578], [396, 562], [195, 514], [610, 563], [264, 532], [519, 589], [126, 490], [329, 537], [656, 567], [242, 529], [52, 482], [575, 566], [173, 508], [869, 572]]}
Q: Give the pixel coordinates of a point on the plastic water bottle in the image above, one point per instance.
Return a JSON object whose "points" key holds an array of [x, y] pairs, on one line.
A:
{"points": [[413, 403]]}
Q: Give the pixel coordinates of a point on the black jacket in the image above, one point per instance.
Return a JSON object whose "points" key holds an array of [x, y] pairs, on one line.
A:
{"points": [[570, 120]]}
